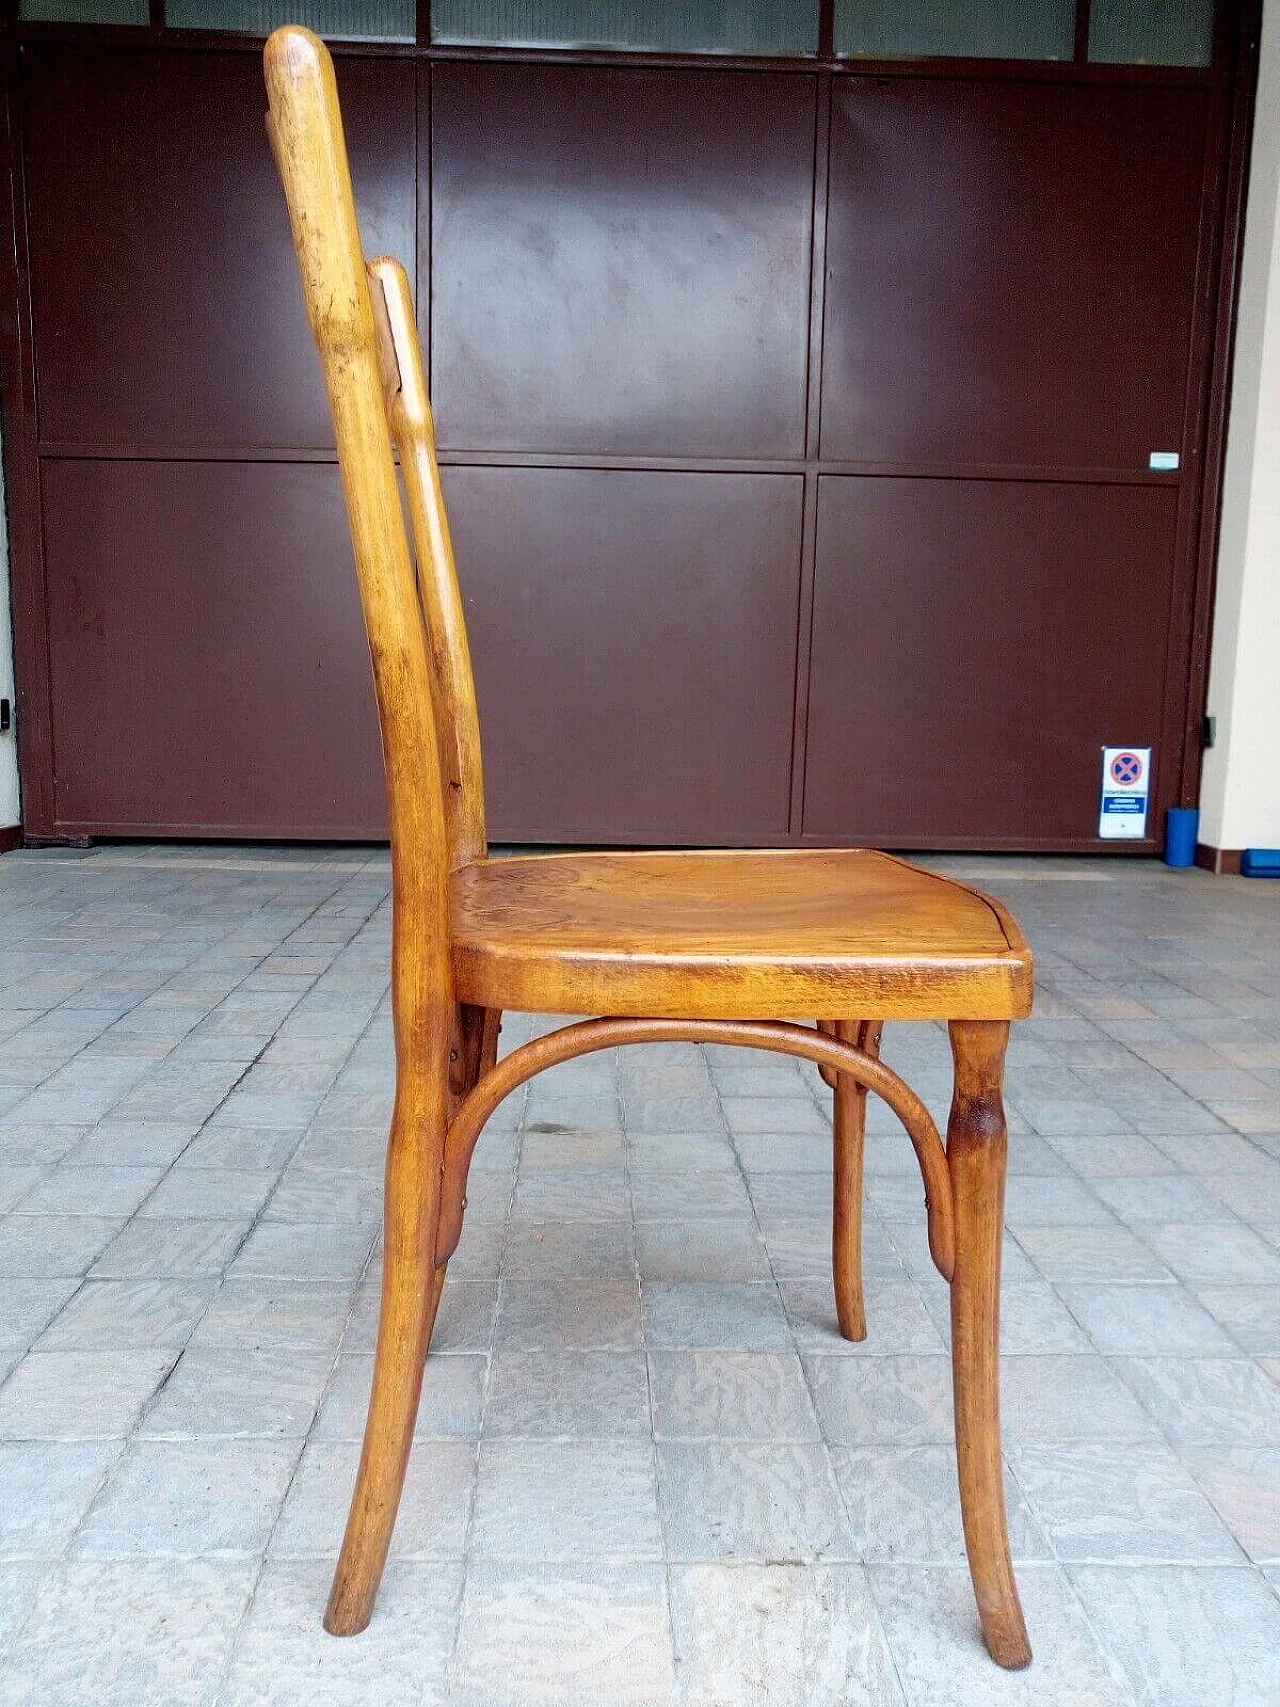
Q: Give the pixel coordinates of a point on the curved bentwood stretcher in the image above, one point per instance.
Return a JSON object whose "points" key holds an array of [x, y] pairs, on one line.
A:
{"points": [[573, 1040], [746, 948]]}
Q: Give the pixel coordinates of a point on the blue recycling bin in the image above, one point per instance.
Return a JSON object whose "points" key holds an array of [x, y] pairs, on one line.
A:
{"points": [[1181, 832]]}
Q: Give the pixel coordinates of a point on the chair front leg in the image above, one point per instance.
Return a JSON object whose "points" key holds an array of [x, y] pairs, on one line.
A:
{"points": [[850, 1124], [977, 1149]]}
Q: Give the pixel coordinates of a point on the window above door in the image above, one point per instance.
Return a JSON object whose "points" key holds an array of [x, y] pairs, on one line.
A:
{"points": [[1168, 33]]}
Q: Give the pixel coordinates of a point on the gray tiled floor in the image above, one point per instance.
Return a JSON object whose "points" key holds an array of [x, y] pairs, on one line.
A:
{"points": [[648, 1470]]}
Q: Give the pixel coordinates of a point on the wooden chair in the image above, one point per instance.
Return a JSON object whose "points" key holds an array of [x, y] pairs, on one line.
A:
{"points": [[726, 947]]}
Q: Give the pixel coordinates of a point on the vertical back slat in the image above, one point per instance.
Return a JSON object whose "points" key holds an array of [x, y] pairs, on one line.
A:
{"points": [[409, 409]]}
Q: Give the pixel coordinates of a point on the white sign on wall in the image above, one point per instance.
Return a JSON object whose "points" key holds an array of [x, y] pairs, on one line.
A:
{"points": [[1126, 782]]}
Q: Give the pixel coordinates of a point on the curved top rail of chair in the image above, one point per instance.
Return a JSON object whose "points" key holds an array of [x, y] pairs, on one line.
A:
{"points": [[778, 1036]]}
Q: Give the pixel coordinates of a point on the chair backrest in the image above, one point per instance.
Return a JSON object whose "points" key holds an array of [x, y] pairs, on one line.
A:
{"points": [[363, 320], [426, 707]]}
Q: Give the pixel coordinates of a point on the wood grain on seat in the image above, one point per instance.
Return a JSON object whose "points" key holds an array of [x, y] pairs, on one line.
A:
{"points": [[792, 934]]}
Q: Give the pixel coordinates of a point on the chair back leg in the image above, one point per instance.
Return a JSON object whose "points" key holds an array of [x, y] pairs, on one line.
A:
{"points": [[977, 1148], [411, 1288], [849, 1140]]}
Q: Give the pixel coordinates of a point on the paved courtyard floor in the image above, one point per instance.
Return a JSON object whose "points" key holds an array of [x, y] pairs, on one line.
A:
{"points": [[648, 1469]]}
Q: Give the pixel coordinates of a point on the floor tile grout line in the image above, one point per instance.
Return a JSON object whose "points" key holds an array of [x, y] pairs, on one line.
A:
{"points": [[668, 1603], [1166, 1280], [173, 975], [825, 1107], [264, 1556], [256, 1219], [832, 1479], [1179, 1090], [491, 1353], [133, 1433], [51, 1565]]}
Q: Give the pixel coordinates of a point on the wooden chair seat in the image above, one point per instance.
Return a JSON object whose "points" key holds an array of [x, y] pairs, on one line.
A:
{"points": [[795, 934]]}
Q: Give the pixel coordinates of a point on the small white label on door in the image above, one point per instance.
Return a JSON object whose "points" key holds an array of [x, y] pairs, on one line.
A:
{"points": [[1163, 461], [1126, 773]]}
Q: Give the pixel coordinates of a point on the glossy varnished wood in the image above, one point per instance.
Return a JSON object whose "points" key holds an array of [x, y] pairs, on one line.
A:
{"points": [[791, 934], [977, 1146], [849, 1126], [306, 133], [730, 948], [860, 1065], [409, 408]]}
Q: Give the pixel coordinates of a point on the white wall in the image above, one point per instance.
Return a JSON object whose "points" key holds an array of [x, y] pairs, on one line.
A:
{"points": [[9, 811], [1240, 790]]}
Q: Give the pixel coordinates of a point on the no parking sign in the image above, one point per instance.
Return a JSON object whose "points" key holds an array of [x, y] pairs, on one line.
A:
{"points": [[1126, 782]]}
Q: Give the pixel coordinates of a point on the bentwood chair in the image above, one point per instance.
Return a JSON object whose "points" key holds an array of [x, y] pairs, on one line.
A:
{"points": [[729, 947]]}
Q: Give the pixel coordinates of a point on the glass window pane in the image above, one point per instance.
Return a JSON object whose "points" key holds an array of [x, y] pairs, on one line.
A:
{"points": [[370, 20], [84, 11], [1157, 32], [970, 29], [699, 26]]}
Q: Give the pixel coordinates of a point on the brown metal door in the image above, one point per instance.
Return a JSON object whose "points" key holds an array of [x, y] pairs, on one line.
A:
{"points": [[796, 424], [620, 275], [642, 691], [207, 671], [1011, 269]]}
